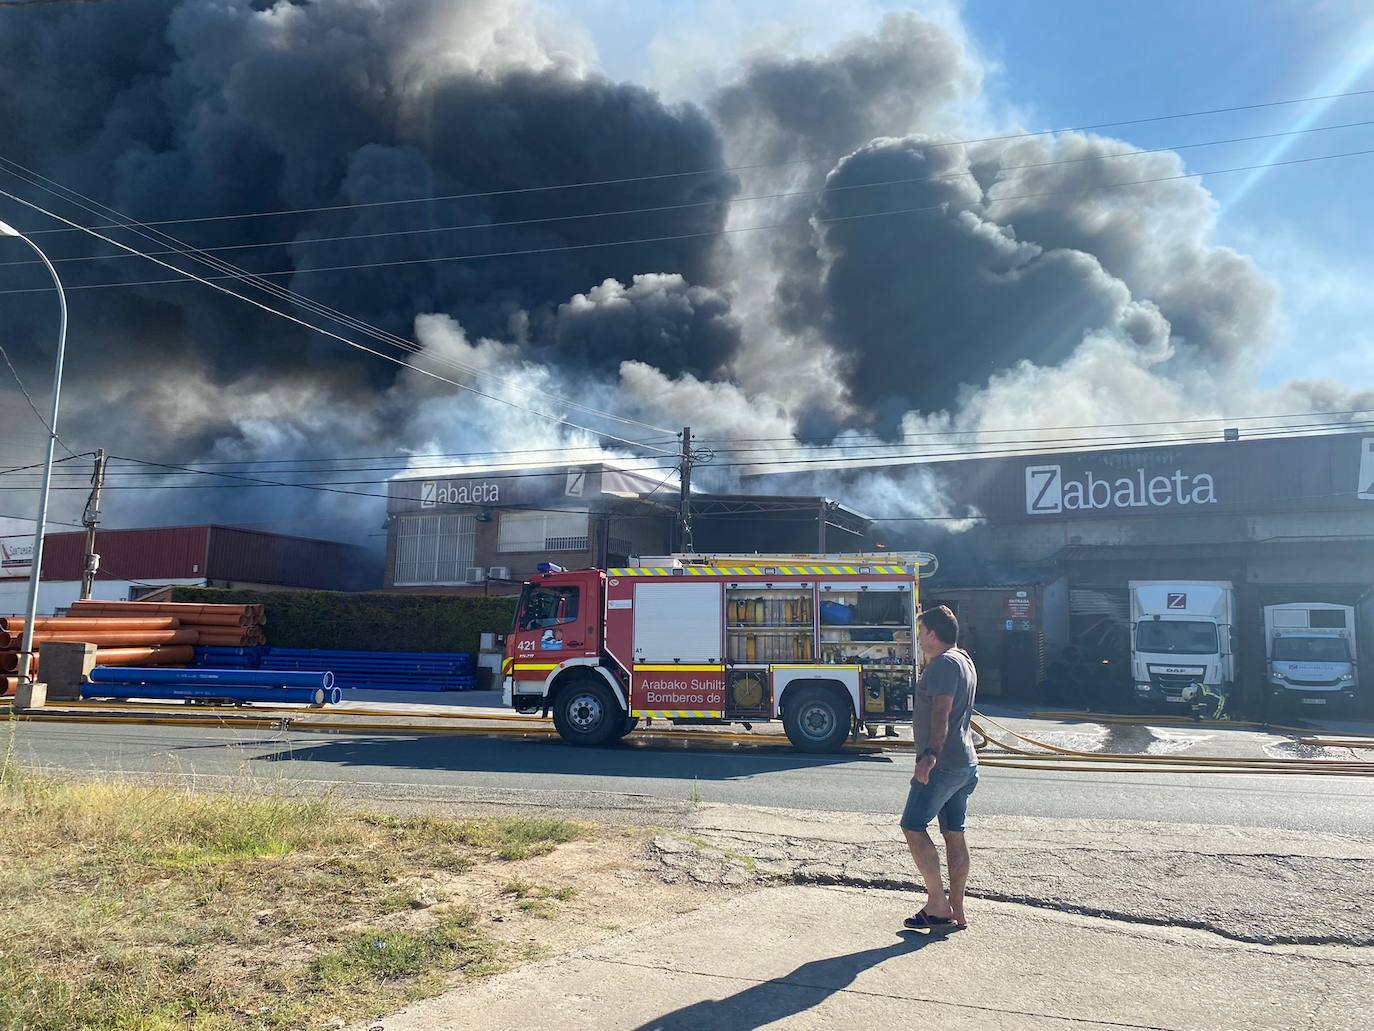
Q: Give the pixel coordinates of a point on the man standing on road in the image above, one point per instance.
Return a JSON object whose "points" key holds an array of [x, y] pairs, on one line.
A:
{"points": [[946, 768]]}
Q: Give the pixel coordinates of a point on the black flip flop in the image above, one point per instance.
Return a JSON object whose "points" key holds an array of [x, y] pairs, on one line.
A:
{"points": [[922, 920]]}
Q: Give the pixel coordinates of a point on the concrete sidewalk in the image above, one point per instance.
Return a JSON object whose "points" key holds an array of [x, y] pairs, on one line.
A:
{"points": [[822, 957], [1268, 887]]}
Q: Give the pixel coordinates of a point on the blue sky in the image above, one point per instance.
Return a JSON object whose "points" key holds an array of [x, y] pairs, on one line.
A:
{"points": [[1059, 63]]}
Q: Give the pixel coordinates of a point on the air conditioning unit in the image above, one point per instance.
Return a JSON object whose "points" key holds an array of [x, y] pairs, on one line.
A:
{"points": [[499, 573], [476, 574]]}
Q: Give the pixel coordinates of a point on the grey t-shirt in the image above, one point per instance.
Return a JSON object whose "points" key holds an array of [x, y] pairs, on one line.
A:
{"points": [[953, 674]]}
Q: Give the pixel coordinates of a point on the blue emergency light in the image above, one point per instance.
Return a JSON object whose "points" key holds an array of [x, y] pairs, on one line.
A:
{"points": [[549, 567]]}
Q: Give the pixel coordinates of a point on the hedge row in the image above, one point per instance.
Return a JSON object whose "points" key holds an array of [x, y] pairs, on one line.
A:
{"points": [[367, 622]]}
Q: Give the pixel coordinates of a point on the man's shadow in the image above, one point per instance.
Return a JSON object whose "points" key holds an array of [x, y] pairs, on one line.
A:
{"points": [[807, 986]]}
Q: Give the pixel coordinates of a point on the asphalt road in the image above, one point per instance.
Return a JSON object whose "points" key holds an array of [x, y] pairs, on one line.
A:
{"points": [[549, 772]]}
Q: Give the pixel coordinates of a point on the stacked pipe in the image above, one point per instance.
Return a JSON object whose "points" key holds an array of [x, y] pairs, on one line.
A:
{"points": [[224, 657], [230, 626], [381, 671], [211, 685], [355, 670], [148, 641]]}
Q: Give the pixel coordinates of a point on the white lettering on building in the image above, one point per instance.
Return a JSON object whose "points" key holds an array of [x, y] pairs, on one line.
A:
{"points": [[433, 494], [1048, 492]]}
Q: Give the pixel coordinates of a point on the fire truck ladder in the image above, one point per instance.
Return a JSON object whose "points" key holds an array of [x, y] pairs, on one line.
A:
{"points": [[924, 561]]}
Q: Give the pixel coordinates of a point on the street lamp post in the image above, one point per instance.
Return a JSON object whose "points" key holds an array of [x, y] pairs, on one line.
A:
{"points": [[35, 573]]}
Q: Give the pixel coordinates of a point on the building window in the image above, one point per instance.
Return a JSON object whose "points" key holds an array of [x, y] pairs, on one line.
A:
{"points": [[434, 549], [542, 531]]}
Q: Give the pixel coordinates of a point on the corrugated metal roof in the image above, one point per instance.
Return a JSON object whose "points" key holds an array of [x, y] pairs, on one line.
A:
{"points": [[165, 552], [215, 553], [269, 558]]}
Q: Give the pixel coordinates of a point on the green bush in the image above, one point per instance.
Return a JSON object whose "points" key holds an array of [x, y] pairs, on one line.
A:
{"points": [[367, 622]]}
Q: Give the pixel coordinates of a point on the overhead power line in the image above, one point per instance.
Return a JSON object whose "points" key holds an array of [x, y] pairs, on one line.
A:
{"points": [[834, 463], [425, 454], [1217, 419], [767, 456], [623, 180], [691, 205], [46, 3], [29, 398], [791, 224], [783, 456], [335, 336], [39, 465], [1335, 420], [282, 293], [1156, 439]]}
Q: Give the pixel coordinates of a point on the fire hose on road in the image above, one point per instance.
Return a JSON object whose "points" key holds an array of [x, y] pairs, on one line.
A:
{"points": [[1013, 749], [1057, 758]]}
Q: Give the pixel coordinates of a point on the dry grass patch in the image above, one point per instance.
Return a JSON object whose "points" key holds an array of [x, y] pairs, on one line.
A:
{"points": [[151, 908]]}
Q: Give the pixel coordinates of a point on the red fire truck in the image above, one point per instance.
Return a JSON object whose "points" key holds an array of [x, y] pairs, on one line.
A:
{"points": [[826, 643]]}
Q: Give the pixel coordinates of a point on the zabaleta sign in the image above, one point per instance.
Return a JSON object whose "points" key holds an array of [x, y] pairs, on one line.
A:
{"points": [[1293, 473], [1052, 490]]}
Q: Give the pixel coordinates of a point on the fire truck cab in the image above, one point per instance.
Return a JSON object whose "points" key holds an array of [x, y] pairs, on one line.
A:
{"points": [[824, 643]]}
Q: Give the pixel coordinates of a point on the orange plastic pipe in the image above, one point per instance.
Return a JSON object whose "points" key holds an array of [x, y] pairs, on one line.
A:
{"points": [[172, 656], [182, 606], [63, 624], [135, 638], [168, 608], [227, 619]]}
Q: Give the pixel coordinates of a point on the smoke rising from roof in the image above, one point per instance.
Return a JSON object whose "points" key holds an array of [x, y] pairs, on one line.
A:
{"points": [[1019, 288]]}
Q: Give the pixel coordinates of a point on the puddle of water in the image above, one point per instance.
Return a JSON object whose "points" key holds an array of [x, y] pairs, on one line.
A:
{"points": [[1293, 750], [1087, 738], [1127, 740], [1172, 742], [1121, 739]]}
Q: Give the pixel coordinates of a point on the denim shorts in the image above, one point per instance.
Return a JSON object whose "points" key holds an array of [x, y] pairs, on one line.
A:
{"points": [[945, 795]]}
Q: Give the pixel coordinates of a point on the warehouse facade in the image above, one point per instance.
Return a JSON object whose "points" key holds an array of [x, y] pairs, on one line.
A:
{"points": [[1056, 538], [1287, 519], [484, 530]]}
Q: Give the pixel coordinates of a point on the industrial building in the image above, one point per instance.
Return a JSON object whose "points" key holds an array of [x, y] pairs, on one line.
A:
{"points": [[1058, 537], [1042, 576], [483, 530], [135, 563]]}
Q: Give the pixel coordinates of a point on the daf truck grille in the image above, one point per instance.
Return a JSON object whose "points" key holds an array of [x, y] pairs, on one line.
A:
{"points": [[1174, 683]]}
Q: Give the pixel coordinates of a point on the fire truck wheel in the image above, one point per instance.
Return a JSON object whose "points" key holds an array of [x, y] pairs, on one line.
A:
{"points": [[586, 713], [816, 719], [629, 724]]}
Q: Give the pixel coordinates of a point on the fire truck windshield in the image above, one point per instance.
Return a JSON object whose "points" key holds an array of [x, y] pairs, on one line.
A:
{"points": [[546, 606]]}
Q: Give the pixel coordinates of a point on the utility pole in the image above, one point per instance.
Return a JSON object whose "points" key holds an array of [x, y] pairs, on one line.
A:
{"points": [[685, 492], [91, 519]]}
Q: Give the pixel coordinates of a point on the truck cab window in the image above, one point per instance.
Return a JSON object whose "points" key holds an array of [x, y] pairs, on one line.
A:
{"points": [[547, 606], [1181, 637], [1311, 649]]}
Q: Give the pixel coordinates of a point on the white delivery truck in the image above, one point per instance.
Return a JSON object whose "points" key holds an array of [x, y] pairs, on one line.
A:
{"points": [[1310, 648], [1182, 639]]}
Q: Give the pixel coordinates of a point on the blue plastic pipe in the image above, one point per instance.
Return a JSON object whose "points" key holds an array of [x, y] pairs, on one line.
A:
{"points": [[210, 677], [209, 692]]}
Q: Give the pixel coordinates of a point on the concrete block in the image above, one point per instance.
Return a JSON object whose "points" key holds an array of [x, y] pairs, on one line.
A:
{"points": [[65, 666], [30, 695]]}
